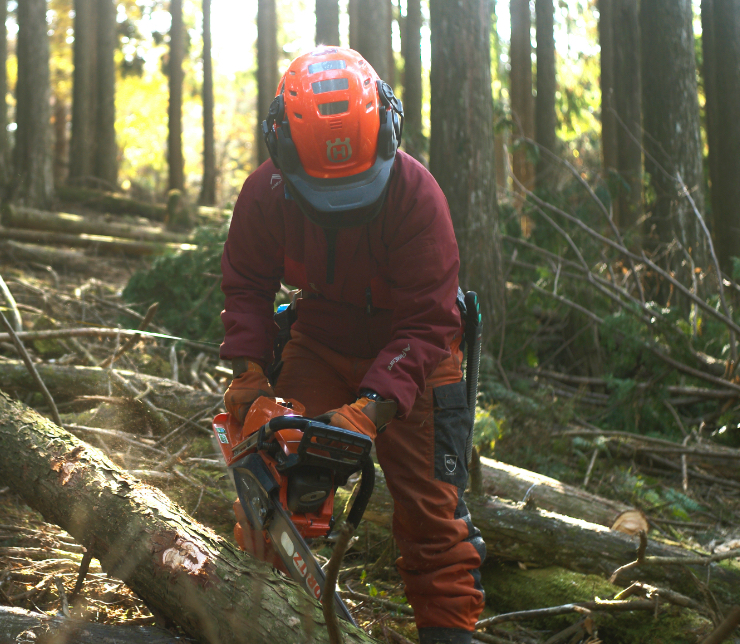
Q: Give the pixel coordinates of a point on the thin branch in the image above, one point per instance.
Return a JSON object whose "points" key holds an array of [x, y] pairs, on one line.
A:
{"points": [[133, 339], [32, 370], [330, 584]]}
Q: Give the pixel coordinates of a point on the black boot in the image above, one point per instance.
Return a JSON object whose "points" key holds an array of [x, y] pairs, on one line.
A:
{"points": [[444, 636]]}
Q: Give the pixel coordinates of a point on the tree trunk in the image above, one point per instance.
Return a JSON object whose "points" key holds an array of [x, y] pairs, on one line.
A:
{"points": [[208, 189], [354, 23], [539, 538], [176, 180], [522, 102], [84, 94], [413, 136], [671, 122], [33, 180], [608, 109], [500, 133], [180, 568], [374, 19], [461, 150], [61, 149], [628, 104], [722, 74], [510, 482], [105, 165], [546, 84], [267, 67], [327, 22], [4, 147]]}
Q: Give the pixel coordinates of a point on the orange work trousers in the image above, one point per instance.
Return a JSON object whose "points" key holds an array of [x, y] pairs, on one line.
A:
{"points": [[423, 459]]}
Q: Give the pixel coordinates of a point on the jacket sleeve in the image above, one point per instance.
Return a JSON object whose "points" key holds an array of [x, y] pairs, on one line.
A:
{"points": [[251, 267], [423, 268]]}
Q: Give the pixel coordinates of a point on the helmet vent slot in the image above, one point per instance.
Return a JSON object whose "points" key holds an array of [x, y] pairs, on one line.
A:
{"points": [[326, 66], [298, 116], [369, 106], [337, 107], [367, 82], [293, 93], [331, 85], [335, 124]]}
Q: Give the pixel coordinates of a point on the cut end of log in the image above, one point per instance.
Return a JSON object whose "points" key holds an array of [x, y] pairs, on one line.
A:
{"points": [[631, 522]]}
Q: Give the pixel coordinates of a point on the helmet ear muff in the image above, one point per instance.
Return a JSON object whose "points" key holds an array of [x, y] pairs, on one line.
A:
{"points": [[391, 121], [279, 143]]}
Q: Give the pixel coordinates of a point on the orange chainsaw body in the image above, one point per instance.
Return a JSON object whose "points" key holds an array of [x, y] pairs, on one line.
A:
{"points": [[232, 436]]}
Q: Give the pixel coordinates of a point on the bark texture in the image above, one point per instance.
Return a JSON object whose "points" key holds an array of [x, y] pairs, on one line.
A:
{"points": [[628, 105], [93, 149], [84, 80], [267, 69], [522, 101], [374, 37], [545, 120], [180, 568], [175, 160], [327, 22], [354, 23], [4, 146], [106, 150], [461, 149], [671, 122], [608, 109], [208, 188], [33, 179], [413, 137], [721, 44]]}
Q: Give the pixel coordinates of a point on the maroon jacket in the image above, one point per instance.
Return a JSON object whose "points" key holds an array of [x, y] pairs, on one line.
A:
{"points": [[394, 289]]}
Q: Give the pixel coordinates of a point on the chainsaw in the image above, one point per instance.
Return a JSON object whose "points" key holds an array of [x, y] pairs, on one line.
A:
{"points": [[286, 469]]}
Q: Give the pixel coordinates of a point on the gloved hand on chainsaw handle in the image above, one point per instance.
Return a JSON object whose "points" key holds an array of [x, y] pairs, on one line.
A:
{"points": [[245, 389], [367, 415]]}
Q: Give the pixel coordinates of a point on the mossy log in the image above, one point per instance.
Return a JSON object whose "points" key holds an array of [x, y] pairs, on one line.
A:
{"points": [[71, 381], [181, 569], [72, 224], [510, 588], [515, 483], [39, 627], [111, 202], [523, 534]]}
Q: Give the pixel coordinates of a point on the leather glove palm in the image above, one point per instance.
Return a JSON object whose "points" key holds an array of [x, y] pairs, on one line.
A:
{"points": [[364, 416], [245, 389]]}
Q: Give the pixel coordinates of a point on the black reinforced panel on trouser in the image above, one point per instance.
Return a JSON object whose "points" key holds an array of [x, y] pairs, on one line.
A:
{"points": [[451, 428], [474, 538]]}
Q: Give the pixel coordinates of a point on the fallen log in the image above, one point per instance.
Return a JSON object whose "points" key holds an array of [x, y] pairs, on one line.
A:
{"points": [[72, 381], [63, 222], [69, 260], [108, 244], [182, 570], [529, 535], [111, 202], [42, 627], [515, 483]]}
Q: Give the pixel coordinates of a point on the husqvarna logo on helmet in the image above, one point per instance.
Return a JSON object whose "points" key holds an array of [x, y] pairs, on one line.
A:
{"points": [[338, 150]]}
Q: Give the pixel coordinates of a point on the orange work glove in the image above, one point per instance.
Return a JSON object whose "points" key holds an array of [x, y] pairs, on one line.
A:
{"points": [[245, 389], [365, 416]]}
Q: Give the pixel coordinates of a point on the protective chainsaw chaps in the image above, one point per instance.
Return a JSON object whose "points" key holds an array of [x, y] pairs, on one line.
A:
{"points": [[286, 469]]}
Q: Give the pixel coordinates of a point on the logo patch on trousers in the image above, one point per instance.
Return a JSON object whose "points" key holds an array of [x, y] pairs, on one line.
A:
{"points": [[450, 463]]}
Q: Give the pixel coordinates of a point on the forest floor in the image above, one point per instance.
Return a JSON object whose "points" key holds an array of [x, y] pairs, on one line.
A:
{"points": [[697, 506]]}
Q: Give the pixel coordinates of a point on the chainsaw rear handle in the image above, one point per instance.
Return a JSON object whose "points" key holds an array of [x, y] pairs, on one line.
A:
{"points": [[340, 461]]}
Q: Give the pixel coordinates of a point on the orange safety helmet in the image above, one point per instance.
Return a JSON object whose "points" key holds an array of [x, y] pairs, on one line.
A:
{"points": [[333, 130]]}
